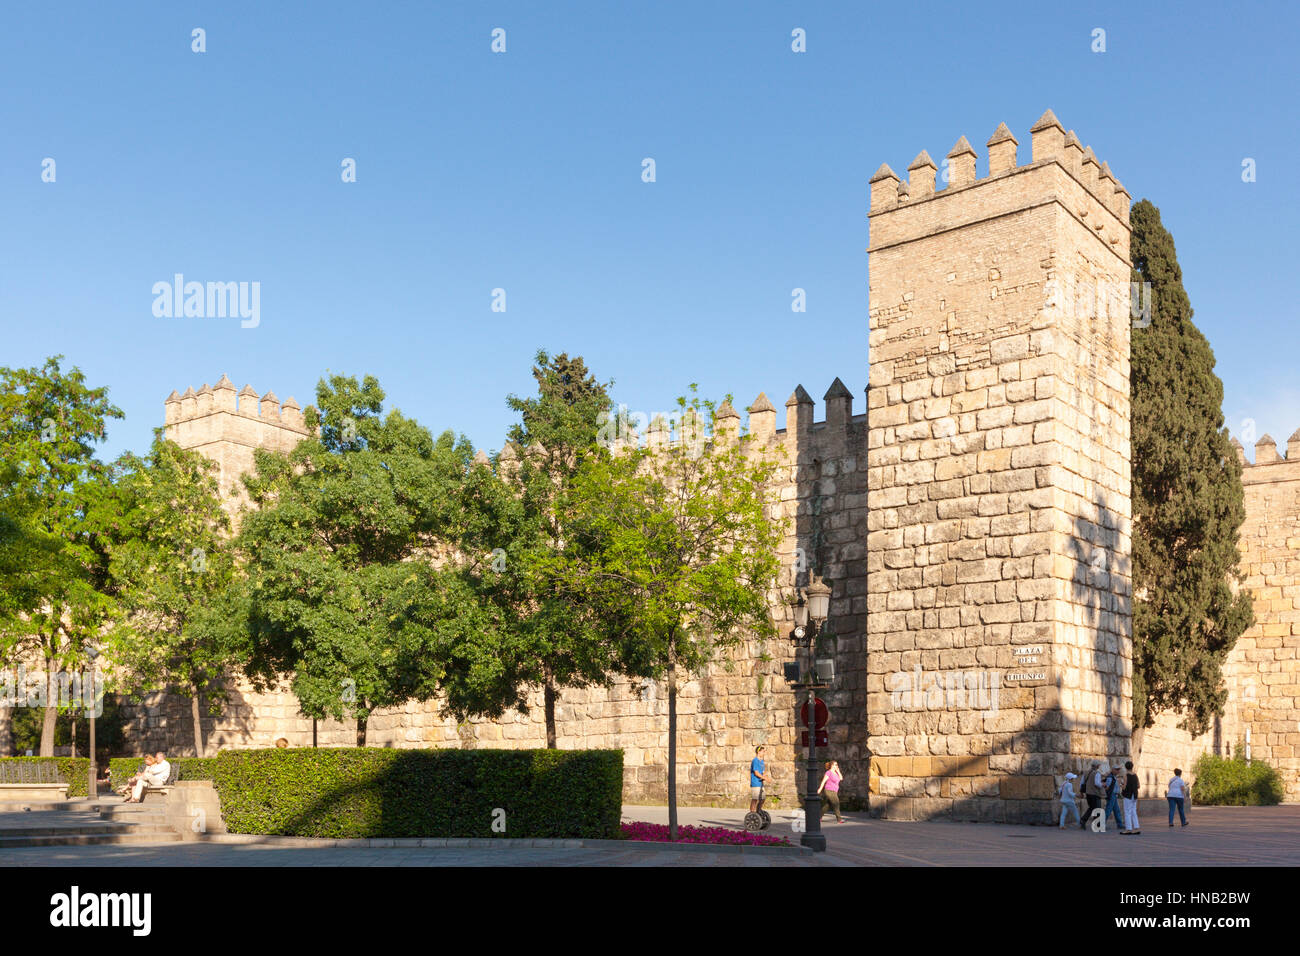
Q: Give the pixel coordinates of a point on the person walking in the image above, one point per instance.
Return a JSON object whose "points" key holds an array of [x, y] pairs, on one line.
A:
{"points": [[1176, 795], [1067, 800], [1114, 784], [1093, 791], [831, 784], [1132, 827]]}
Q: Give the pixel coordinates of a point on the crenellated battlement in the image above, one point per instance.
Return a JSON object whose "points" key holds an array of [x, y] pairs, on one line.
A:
{"points": [[1266, 453], [228, 426], [222, 398], [803, 438], [1099, 193]]}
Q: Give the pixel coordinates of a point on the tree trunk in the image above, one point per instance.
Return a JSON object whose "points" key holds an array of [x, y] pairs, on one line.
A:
{"points": [[198, 726], [548, 693], [361, 729], [74, 738], [672, 745], [47, 731]]}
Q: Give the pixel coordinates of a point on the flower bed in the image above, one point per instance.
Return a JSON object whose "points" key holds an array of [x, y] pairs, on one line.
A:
{"points": [[717, 836]]}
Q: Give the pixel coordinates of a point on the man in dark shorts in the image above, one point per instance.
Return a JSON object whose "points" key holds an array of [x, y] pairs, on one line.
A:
{"points": [[757, 777]]}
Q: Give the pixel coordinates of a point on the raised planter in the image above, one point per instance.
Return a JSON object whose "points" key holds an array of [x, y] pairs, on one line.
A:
{"points": [[32, 792]]}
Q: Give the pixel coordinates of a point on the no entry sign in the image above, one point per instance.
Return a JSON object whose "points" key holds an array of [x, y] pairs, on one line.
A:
{"points": [[822, 713]]}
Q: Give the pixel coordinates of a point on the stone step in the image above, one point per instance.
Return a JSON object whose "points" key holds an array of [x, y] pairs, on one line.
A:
{"points": [[131, 813], [85, 829], [90, 839]]}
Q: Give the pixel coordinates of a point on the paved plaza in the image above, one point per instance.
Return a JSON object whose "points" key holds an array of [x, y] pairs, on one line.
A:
{"points": [[1218, 836]]}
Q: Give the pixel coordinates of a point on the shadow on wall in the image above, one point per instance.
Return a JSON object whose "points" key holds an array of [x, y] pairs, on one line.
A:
{"points": [[163, 721], [1016, 782], [830, 532], [1102, 587]]}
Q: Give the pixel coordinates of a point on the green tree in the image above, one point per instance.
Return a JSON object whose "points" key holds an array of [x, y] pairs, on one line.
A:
{"points": [[171, 562], [50, 421], [556, 641], [344, 592], [1188, 504], [678, 553]]}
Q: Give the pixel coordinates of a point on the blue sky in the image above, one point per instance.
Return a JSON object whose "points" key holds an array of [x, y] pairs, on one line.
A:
{"points": [[522, 171]]}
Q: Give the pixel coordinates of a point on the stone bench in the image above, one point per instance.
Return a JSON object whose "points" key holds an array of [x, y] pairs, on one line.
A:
{"points": [[32, 792]]}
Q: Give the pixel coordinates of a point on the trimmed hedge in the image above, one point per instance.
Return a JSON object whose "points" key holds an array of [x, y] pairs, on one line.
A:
{"points": [[1232, 783], [122, 769], [354, 792], [71, 770], [368, 792]]}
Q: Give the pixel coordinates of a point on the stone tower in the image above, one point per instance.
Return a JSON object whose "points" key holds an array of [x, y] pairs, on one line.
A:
{"points": [[227, 427], [998, 626]]}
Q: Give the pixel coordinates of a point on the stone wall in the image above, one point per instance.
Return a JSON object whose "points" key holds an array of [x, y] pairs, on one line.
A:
{"points": [[1262, 670], [999, 641], [723, 715]]}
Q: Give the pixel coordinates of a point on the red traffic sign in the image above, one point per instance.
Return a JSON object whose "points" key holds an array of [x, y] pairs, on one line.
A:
{"points": [[823, 714], [823, 740]]}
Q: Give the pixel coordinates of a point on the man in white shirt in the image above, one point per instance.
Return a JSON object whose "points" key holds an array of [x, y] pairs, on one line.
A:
{"points": [[1176, 796]]}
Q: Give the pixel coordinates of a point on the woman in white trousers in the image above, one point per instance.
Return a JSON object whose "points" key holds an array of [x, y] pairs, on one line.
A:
{"points": [[1130, 802]]}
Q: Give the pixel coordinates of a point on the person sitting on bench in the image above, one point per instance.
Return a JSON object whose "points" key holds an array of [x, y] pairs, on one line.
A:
{"points": [[126, 788], [155, 775]]}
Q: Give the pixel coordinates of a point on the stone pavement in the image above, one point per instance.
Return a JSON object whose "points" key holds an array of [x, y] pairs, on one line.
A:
{"points": [[1218, 836], [227, 855]]}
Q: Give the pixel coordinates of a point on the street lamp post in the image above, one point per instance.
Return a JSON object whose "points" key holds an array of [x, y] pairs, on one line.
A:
{"points": [[810, 615], [92, 781]]}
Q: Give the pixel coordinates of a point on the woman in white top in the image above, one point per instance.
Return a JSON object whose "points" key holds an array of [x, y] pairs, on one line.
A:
{"points": [[1176, 796], [1067, 800]]}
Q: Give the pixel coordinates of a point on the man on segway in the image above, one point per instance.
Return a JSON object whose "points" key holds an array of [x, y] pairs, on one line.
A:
{"points": [[757, 819], [757, 777]]}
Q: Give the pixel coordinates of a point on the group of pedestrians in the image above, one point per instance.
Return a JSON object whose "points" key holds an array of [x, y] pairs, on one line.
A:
{"points": [[1112, 785], [1105, 789]]}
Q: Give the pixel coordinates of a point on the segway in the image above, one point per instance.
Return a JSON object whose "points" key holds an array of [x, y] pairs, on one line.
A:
{"points": [[758, 819]]}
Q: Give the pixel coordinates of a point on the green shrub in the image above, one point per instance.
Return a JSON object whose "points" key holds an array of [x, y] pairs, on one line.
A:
{"points": [[71, 770], [367, 792], [1231, 782]]}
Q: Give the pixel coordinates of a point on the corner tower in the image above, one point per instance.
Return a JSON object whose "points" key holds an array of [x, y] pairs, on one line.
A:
{"points": [[226, 427], [998, 627]]}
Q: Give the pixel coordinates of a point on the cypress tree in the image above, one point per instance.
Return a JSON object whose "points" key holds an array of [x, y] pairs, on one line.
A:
{"points": [[1188, 503]]}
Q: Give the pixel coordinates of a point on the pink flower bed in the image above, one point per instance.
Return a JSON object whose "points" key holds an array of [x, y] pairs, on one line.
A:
{"points": [[718, 836]]}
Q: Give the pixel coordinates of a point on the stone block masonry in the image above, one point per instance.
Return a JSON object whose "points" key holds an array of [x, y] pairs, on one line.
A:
{"points": [[1262, 670], [998, 469]]}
